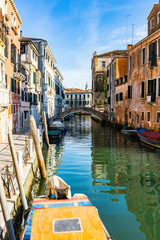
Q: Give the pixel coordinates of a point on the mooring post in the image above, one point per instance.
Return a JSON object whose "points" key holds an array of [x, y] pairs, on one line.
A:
{"points": [[7, 219], [20, 162], [37, 145], [18, 175], [45, 128], [30, 148]]}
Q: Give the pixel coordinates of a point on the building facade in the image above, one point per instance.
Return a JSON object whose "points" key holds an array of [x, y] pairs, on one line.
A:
{"points": [[10, 29], [59, 89], [144, 77], [47, 67], [31, 90], [75, 97]]}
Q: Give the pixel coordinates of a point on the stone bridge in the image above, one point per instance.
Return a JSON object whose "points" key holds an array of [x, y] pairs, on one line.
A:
{"points": [[101, 116]]}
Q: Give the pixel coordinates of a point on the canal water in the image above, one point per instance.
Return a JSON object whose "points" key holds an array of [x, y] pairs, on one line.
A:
{"points": [[120, 175]]}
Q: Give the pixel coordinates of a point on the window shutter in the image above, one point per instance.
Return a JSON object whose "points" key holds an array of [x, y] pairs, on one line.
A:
{"points": [[6, 47]]}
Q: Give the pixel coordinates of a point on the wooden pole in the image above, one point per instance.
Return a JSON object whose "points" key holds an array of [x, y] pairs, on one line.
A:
{"points": [[18, 175], [37, 145], [45, 128], [8, 222]]}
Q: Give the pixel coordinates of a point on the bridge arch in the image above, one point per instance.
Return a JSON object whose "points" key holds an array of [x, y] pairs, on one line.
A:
{"points": [[93, 112]]}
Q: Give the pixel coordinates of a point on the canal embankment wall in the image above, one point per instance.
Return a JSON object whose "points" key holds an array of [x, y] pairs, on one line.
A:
{"points": [[28, 165]]}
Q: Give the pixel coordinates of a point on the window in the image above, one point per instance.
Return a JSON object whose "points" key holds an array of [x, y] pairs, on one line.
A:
{"points": [[13, 85], [18, 87], [107, 73], [121, 96], [25, 115], [130, 92], [152, 89], [103, 64], [67, 102], [142, 89], [11, 108], [129, 114], [71, 96], [22, 49], [121, 79], [130, 63], [15, 108], [84, 96], [6, 47], [67, 96], [116, 97], [143, 55], [107, 87], [34, 77], [158, 117], [148, 116], [80, 96], [117, 81], [142, 116], [6, 82], [125, 78], [13, 54], [26, 99], [88, 95], [22, 95], [158, 17], [152, 23], [76, 96], [153, 54]]}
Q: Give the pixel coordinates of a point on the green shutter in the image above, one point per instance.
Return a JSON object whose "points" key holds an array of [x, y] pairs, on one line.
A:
{"points": [[34, 77], [6, 47], [6, 80]]}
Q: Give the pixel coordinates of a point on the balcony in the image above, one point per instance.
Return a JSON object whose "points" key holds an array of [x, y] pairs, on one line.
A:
{"points": [[4, 95]]}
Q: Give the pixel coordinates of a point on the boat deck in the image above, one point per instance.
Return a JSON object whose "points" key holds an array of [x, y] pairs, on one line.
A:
{"points": [[84, 223]]}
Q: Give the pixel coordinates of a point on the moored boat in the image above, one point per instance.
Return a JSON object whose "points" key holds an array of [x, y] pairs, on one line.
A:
{"points": [[149, 137], [54, 134], [129, 132], [70, 218], [57, 125]]}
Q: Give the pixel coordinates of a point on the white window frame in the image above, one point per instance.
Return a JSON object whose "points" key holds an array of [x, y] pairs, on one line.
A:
{"points": [[158, 17], [152, 20], [142, 56]]}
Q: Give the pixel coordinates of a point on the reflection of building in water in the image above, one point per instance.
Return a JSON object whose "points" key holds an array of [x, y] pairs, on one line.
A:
{"points": [[79, 126], [53, 158], [121, 166]]}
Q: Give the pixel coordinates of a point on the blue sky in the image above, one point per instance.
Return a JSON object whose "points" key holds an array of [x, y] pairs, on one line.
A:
{"points": [[75, 29]]}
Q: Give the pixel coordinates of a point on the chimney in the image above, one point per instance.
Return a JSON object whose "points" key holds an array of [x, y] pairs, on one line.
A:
{"points": [[95, 54], [129, 46]]}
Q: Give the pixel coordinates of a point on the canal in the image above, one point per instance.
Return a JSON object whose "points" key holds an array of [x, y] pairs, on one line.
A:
{"points": [[120, 176]]}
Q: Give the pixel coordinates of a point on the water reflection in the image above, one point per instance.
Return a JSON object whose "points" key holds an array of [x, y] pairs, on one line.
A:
{"points": [[119, 175], [124, 167]]}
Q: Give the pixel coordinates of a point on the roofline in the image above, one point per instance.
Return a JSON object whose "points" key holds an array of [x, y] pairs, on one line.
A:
{"points": [[155, 5], [141, 41], [15, 9], [29, 41]]}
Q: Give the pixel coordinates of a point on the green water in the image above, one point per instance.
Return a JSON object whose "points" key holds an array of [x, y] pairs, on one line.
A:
{"points": [[120, 176]]}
